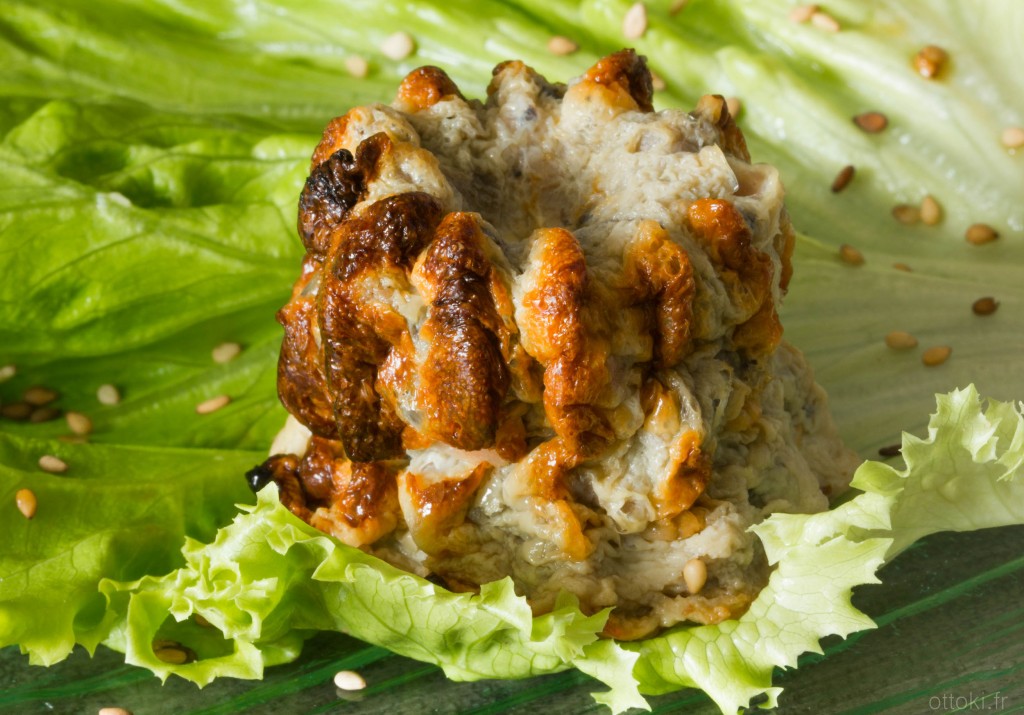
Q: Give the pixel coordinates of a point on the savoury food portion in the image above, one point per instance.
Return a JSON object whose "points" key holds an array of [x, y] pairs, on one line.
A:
{"points": [[537, 336]]}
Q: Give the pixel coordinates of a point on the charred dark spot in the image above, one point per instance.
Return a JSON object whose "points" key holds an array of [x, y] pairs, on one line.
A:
{"points": [[259, 476], [334, 187], [279, 468]]}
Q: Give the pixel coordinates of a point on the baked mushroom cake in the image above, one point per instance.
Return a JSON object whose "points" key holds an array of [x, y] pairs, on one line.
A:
{"points": [[537, 337]]}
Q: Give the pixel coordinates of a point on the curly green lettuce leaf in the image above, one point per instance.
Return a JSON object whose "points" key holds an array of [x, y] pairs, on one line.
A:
{"points": [[269, 578], [117, 512]]}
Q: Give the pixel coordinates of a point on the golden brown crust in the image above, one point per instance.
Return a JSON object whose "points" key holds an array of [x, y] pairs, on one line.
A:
{"points": [[424, 87], [438, 507], [627, 79], [464, 379], [658, 270], [335, 186], [301, 383], [333, 138], [746, 272], [574, 360], [357, 334]]}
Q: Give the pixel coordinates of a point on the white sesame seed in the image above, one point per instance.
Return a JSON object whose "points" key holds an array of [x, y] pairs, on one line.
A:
{"points": [[695, 574], [734, 105], [1013, 137], [900, 340], [871, 122], [172, 655], [114, 711], [398, 46], [54, 465], [936, 355], [906, 214], [850, 255], [802, 13], [929, 61], [226, 352], [931, 211], [980, 233], [108, 395], [38, 395], [560, 45], [78, 423], [657, 83], [213, 404], [25, 500], [7, 372], [357, 66], [824, 21], [349, 680], [634, 22]]}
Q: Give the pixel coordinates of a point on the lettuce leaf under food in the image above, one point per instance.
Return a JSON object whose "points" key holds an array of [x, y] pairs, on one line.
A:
{"points": [[269, 578]]}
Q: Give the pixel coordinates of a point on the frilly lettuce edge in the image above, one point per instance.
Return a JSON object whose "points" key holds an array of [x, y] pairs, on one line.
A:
{"points": [[268, 581]]}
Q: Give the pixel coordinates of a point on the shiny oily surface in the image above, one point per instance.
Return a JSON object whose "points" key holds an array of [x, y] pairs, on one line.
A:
{"points": [[951, 628]]}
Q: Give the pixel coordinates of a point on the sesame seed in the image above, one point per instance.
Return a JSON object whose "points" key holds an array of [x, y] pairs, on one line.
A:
{"points": [[802, 13], [677, 7], [53, 465], [201, 620], [213, 404], [985, 306], [38, 395], [108, 395], [931, 211], [936, 355], [17, 411], [980, 233], [78, 423], [357, 66], [114, 711], [892, 450], [561, 45], [226, 352], [871, 122], [349, 680], [929, 61], [906, 214], [843, 178], [695, 574], [657, 83], [634, 22], [734, 105], [25, 499], [44, 414], [824, 21], [852, 256], [7, 372], [73, 438], [174, 655], [903, 267], [900, 340], [398, 46], [1013, 137]]}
